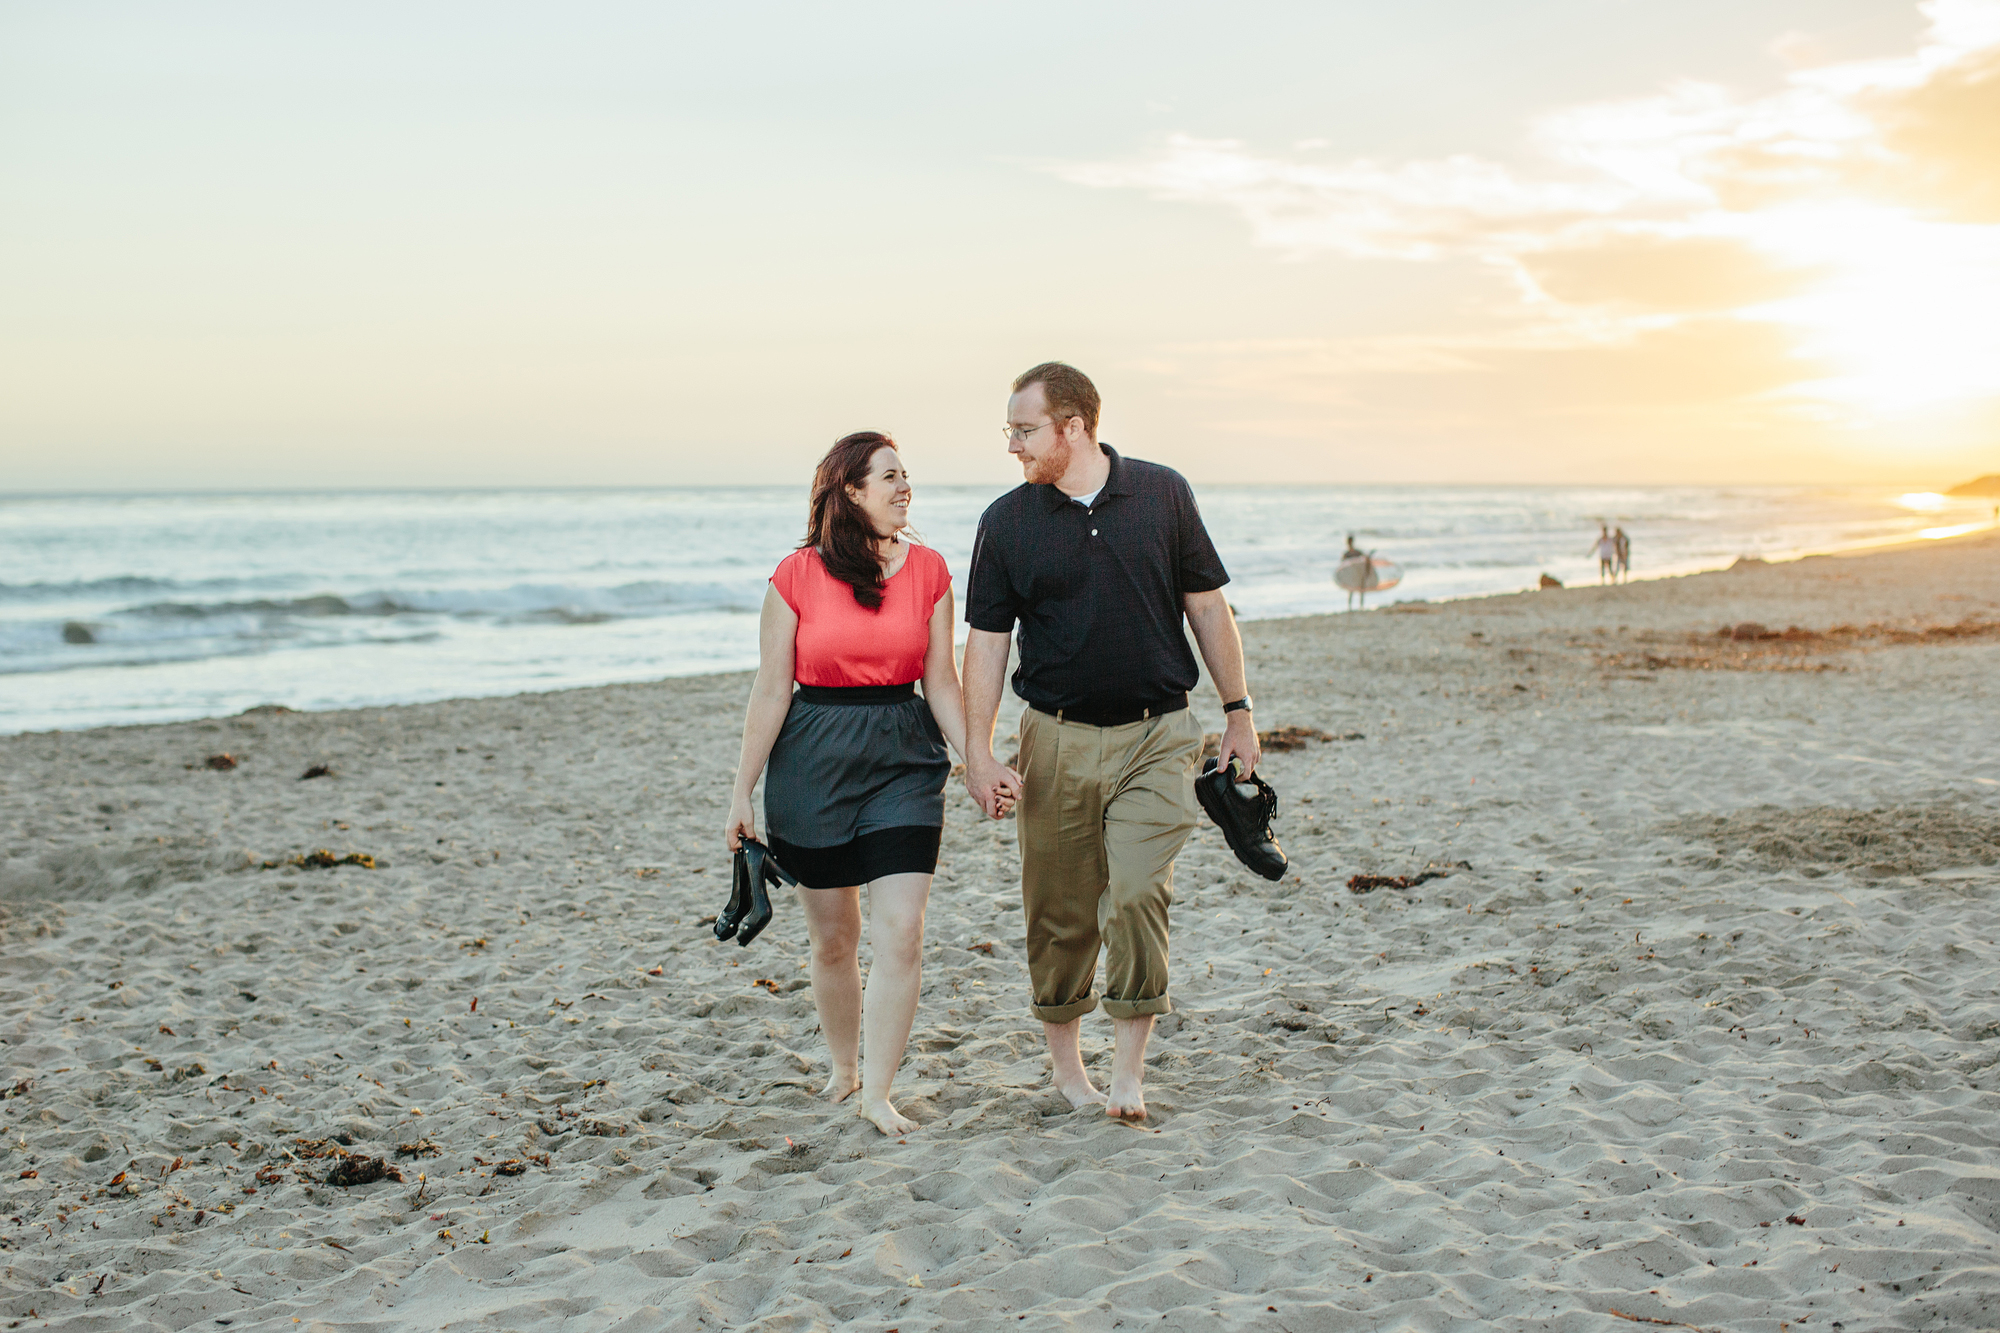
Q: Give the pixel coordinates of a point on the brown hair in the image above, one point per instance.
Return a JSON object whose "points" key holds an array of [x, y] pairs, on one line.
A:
{"points": [[835, 525], [1068, 392]]}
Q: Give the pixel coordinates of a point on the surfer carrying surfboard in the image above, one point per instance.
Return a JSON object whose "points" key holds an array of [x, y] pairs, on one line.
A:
{"points": [[1362, 572], [1097, 559], [1352, 573]]}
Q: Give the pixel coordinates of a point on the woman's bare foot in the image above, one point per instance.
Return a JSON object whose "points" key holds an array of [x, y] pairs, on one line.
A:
{"points": [[878, 1112], [841, 1085], [1081, 1092], [1127, 1101]]}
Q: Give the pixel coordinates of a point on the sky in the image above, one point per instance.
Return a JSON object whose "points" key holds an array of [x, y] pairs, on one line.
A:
{"points": [[1546, 241]]}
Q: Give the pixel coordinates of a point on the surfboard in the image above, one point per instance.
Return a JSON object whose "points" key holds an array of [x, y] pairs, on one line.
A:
{"points": [[1369, 574]]}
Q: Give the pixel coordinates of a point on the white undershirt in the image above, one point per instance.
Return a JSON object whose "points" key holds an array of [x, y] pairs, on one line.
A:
{"points": [[1088, 500]]}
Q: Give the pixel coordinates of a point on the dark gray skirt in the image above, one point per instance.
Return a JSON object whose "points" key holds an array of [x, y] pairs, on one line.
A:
{"points": [[839, 771]]}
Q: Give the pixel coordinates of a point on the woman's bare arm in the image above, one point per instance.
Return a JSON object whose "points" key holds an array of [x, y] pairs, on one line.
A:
{"points": [[770, 700], [941, 687]]}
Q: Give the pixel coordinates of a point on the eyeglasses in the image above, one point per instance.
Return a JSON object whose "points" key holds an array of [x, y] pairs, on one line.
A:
{"points": [[1016, 435]]}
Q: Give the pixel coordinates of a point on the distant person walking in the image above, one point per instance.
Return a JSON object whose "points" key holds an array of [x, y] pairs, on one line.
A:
{"points": [[1606, 547], [1097, 560], [855, 794], [1624, 548]]}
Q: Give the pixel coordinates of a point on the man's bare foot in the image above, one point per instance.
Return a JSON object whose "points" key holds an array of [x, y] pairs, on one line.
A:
{"points": [[1081, 1092], [878, 1112], [1128, 1067], [1127, 1101], [841, 1085]]}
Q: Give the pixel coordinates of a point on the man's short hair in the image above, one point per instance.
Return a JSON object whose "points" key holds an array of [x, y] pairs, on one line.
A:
{"points": [[1067, 391]]}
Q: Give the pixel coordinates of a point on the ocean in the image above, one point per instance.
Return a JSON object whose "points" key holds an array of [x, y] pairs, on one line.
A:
{"points": [[119, 609]]}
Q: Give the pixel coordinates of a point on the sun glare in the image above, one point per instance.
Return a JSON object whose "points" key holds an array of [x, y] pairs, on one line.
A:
{"points": [[1921, 501], [1907, 314]]}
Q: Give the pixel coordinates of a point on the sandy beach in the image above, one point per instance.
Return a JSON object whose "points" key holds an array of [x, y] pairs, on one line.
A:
{"points": [[1699, 1027]]}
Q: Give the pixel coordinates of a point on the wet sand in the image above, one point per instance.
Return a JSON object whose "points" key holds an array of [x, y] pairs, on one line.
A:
{"points": [[1700, 1027]]}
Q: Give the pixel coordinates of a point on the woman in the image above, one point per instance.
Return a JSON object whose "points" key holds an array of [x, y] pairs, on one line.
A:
{"points": [[855, 793]]}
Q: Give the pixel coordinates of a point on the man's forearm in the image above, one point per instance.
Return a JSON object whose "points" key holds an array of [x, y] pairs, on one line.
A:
{"points": [[985, 673], [1221, 646]]}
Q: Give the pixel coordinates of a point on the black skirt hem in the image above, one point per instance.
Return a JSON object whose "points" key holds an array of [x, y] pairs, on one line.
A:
{"points": [[908, 850]]}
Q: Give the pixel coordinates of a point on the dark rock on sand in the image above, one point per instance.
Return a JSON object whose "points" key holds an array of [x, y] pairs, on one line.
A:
{"points": [[358, 1170]]}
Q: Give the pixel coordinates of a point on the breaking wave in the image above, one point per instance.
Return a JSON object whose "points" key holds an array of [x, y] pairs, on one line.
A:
{"points": [[180, 630], [143, 608]]}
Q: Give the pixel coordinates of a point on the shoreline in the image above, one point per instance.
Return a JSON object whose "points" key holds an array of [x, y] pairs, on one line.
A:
{"points": [[1873, 546]]}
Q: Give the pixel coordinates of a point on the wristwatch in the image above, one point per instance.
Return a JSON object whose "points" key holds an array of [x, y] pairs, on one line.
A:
{"points": [[1241, 705]]}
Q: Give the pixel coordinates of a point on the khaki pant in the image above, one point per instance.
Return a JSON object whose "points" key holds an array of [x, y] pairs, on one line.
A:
{"points": [[1105, 812]]}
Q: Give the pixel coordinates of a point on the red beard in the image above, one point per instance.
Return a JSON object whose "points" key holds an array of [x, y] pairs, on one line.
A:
{"points": [[1048, 469]]}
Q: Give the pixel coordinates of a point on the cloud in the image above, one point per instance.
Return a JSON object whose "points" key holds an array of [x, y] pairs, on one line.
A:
{"points": [[1661, 273], [1852, 216], [1947, 131], [1670, 159], [1415, 210], [1373, 382], [1694, 399]]}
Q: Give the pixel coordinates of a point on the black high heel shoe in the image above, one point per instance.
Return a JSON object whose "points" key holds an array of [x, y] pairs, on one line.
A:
{"points": [[731, 916], [761, 869]]}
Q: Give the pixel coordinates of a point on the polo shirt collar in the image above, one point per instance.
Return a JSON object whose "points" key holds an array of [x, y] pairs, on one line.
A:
{"points": [[1115, 483]]}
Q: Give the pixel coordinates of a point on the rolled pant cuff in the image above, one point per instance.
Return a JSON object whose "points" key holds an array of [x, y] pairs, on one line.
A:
{"points": [[1159, 1004], [1065, 1013]]}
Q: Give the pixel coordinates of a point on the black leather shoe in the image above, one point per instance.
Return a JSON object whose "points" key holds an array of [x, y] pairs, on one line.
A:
{"points": [[731, 916], [1243, 811], [762, 869]]}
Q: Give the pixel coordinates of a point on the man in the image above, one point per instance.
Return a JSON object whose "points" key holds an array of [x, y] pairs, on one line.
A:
{"points": [[1096, 558], [1355, 561]]}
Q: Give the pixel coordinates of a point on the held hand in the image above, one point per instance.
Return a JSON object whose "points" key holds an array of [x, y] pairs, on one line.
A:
{"points": [[1239, 741], [1007, 792], [994, 786], [742, 824]]}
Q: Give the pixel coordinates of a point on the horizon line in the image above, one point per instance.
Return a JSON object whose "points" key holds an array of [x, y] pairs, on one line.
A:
{"points": [[167, 492]]}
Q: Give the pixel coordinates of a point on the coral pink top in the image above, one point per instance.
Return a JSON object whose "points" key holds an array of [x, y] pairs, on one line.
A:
{"points": [[840, 641]]}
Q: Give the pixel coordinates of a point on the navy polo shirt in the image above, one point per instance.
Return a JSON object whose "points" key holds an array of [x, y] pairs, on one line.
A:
{"points": [[1097, 591]]}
